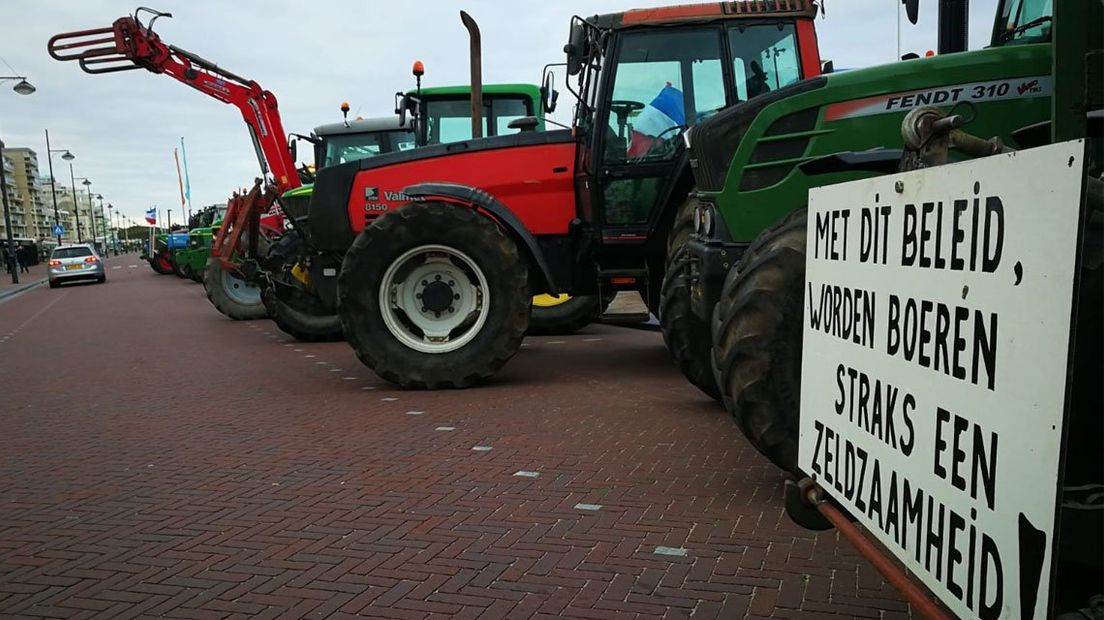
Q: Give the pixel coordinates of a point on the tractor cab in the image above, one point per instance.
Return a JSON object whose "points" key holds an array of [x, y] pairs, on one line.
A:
{"points": [[643, 78], [442, 115], [338, 143]]}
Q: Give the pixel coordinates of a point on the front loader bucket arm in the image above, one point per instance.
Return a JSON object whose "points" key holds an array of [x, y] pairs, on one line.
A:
{"points": [[128, 44], [119, 47]]}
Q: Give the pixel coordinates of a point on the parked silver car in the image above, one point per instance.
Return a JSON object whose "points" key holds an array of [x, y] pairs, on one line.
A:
{"points": [[75, 262]]}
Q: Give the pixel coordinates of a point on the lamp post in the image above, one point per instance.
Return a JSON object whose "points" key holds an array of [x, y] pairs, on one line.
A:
{"points": [[103, 226], [76, 207], [23, 87], [87, 183], [53, 186], [113, 227]]}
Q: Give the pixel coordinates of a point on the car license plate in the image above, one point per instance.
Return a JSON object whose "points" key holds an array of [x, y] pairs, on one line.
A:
{"points": [[74, 267]]}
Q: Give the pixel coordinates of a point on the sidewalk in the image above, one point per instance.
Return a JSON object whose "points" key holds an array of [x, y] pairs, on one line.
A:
{"points": [[36, 276]]}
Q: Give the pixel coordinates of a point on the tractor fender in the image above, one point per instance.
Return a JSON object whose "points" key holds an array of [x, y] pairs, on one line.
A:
{"points": [[488, 204]]}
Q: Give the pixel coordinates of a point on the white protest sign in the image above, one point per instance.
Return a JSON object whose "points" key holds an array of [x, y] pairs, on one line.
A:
{"points": [[936, 338]]}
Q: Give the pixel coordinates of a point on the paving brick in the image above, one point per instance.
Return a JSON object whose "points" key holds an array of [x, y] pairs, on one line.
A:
{"points": [[287, 491]]}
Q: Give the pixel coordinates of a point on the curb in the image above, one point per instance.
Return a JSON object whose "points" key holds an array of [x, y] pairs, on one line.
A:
{"points": [[20, 289]]}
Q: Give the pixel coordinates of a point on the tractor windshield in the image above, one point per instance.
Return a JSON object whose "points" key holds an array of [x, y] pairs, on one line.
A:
{"points": [[1023, 21], [344, 148], [449, 120], [668, 80]]}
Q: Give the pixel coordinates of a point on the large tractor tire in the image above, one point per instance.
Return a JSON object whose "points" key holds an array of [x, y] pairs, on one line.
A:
{"points": [[197, 275], [563, 314], [231, 294], [306, 322], [687, 337], [298, 313], [434, 296], [757, 330], [160, 263]]}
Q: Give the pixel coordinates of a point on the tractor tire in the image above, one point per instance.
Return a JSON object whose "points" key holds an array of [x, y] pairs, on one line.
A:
{"points": [[757, 340], [303, 324], [446, 256], [687, 337], [177, 268], [231, 295], [297, 312], [160, 263], [565, 315], [197, 275]]}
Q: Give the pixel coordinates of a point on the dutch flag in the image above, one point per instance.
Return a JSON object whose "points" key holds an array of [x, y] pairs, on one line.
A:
{"points": [[664, 112], [151, 216]]}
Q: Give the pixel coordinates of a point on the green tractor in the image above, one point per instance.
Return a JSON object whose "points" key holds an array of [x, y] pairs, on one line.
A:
{"points": [[190, 262], [160, 256], [251, 298], [732, 299]]}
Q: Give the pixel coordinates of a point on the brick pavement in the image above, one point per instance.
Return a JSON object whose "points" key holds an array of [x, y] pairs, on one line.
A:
{"points": [[159, 460]]}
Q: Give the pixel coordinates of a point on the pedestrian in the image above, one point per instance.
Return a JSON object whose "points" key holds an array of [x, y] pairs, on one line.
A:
{"points": [[21, 256]]}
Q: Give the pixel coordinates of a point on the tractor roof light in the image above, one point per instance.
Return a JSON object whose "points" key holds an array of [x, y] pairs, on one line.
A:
{"points": [[419, 69]]}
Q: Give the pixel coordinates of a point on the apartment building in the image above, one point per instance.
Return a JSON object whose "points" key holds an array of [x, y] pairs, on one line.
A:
{"points": [[39, 220], [16, 210]]}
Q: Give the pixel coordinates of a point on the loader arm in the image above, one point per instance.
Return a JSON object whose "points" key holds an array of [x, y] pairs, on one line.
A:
{"points": [[128, 44]]}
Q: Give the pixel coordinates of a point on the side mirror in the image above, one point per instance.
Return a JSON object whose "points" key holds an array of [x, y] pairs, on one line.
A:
{"points": [[293, 147], [549, 94], [912, 10], [525, 123], [828, 67], [576, 48]]}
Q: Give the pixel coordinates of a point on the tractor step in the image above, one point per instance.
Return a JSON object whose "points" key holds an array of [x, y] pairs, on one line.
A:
{"points": [[622, 279], [628, 310]]}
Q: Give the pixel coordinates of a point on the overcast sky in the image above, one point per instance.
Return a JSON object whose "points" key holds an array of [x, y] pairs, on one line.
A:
{"points": [[123, 127]]}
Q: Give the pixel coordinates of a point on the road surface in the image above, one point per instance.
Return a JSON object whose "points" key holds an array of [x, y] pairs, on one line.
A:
{"points": [[160, 460]]}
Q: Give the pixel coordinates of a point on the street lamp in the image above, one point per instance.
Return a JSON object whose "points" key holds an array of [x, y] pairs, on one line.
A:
{"points": [[53, 186], [76, 209], [87, 183], [103, 226], [23, 87], [112, 226]]}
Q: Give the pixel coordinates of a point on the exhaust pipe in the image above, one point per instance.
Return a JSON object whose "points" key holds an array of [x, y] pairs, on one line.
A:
{"points": [[476, 74]]}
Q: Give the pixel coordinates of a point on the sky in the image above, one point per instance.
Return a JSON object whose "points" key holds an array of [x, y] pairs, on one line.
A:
{"points": [[123, 127]]}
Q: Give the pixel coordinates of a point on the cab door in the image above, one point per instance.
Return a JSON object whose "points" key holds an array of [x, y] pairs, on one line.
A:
{"points": [[661, 82]]}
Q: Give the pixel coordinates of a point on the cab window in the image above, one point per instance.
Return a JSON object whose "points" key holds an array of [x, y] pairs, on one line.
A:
{"points": [[449, 120], [1024, 21], [764, 58], [664, 82]]}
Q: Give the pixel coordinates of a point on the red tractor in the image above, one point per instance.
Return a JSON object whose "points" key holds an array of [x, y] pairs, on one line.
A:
{"points": [[449, 243]]}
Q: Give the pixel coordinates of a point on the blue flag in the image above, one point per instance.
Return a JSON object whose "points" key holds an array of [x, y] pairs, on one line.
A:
{"points": [[187, 183]]}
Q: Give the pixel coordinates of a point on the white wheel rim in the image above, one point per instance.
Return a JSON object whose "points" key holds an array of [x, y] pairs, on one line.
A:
{"points": [[237, 289], [415, 290]]}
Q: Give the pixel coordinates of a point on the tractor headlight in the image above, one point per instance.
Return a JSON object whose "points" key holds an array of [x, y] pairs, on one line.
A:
{"points": [[703, 220]]}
